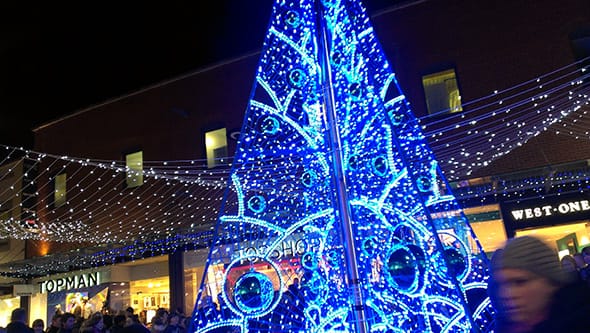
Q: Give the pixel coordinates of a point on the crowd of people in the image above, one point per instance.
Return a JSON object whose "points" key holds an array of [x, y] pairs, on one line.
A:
{"points": [[531, 289], [98, 322]]}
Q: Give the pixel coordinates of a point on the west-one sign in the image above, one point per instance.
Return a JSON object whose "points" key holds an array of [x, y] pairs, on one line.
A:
{"points": [[70, 282], [546, 211]]}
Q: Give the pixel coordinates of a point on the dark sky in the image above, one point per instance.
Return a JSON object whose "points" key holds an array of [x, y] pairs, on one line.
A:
{"points": [[58, 57]]}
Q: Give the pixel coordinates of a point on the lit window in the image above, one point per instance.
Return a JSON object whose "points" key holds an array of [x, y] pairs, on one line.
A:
{"points": [[442, 92], [134, 162], [59, 193], [216, 145]]}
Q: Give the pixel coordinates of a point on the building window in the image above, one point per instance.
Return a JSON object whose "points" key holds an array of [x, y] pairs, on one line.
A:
{"points": [[442, 92], [216, 146], [134, 163], [59, 192]]}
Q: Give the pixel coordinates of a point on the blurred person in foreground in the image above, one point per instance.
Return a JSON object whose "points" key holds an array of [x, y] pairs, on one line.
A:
{"points": [[535, 293]]}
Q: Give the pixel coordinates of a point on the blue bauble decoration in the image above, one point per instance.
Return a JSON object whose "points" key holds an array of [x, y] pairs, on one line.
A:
{"points": [[309, 178], [456, 262], [404, 266], [292, 18], [380, 166], [268, 125], [424, 183], [309, 260], [355, 90], [297, 78], [257, 203], [253, 292]]}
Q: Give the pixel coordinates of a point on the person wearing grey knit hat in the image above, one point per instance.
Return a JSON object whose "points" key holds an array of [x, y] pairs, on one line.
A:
{"points": [[534, 290], [534, 255]]}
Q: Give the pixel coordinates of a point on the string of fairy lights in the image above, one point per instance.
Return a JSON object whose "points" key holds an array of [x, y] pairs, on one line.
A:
{"points": [[177, 192], [183, 197]]}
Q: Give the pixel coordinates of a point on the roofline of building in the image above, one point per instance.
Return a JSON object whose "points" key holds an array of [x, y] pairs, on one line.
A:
{"points": [[198, 71], [150, 87]]}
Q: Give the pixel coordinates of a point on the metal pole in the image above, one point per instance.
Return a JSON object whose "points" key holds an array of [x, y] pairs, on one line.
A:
{"points": [[343, 206]]}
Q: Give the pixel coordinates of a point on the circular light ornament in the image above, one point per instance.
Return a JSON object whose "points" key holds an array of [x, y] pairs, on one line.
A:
{"points": [[337, 59], [297, 78], [309, 260], [292, 18], [355, 90], [354, 162], [403, 267], [380, 166], [455, 256], [308, 179], [252, 294], [268, 125], [424, 183], [257, 204], [456, 263], [314, 286]]}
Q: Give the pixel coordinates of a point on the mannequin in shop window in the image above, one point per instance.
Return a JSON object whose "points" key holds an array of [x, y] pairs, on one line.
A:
{"points": [[87, 308], [76, 307]]}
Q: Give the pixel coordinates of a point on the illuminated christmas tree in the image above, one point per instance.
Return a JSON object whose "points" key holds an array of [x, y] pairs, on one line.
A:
{"points": [[334, 186]]}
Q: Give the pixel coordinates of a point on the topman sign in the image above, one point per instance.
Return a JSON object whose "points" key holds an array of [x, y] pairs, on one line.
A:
{"points": [[546, 211], [70, 282]]}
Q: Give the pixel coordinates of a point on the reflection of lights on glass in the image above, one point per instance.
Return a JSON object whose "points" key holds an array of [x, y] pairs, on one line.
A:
{"points": [[122, 283], [150, 285]]}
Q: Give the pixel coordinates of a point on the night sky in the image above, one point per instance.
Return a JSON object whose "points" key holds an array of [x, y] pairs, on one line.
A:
{"points": [[60, 57]]}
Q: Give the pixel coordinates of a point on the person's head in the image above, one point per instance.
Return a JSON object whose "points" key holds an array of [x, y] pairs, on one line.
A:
{"points": [[129, 311], [68, 320], [96, 321], [119, 320], [173, 318], [568, 263], [527, 272], [19, 315], [162, 313], [579, 258], [38, 325], [158, 325], [586, 255], [56, 320]]}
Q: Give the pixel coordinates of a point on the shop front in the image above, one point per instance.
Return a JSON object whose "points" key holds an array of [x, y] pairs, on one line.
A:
{"points": [[142, 285], [561, 220]]}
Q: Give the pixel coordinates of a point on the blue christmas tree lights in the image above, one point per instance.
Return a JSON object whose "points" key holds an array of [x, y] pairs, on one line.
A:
{"points": [[334, 186]]}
